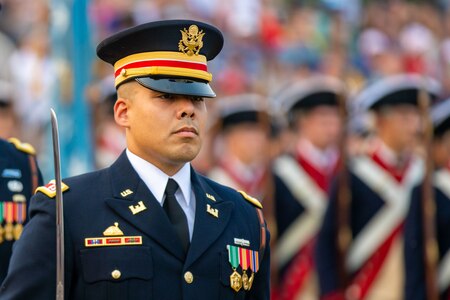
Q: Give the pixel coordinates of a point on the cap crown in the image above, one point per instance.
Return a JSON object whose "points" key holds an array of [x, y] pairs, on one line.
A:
{"points": [[167, 56]]}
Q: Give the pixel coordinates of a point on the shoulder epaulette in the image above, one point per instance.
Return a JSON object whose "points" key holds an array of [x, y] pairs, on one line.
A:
{"points": [[50, 188], [24, 147], [250, 199]]}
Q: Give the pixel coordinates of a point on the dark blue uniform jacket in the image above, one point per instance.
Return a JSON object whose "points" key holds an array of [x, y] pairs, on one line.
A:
{"points": [[414, 242], [19, 177], [365, 204], [154, 270]]}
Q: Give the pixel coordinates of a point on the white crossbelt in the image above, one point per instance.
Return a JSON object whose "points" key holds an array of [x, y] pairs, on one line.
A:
{"points": [[311, 197], [396, 197]]}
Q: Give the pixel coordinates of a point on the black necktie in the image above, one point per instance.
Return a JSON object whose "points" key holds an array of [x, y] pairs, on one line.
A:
{"points": [[176, 214]]}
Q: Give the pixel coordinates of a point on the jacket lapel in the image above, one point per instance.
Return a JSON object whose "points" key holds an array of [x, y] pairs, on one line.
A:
{"points": [[207, 227], [148, 217]]}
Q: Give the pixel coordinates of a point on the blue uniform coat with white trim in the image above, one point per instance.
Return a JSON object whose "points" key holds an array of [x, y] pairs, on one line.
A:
{"points": [[414, 242]]}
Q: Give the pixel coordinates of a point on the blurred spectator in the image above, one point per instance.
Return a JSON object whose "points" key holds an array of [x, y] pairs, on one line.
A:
{"points": [[241, 18], [417, 43], [7, 116], [19, 17], [109, 137], [7, 47], [445, 54], [301, 44], [206, 9], [33, 75], [233, 79]]}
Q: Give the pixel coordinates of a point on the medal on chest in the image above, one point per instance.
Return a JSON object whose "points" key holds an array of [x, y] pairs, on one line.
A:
{"points": [[247, 259]]}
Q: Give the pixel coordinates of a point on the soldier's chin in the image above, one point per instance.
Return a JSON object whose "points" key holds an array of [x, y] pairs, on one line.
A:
{"points": [[187, 154]]}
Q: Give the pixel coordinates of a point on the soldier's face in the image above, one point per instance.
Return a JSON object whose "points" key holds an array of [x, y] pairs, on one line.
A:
{"points": [[164, 129], [249, 142], [399, 126], [321, 125]]}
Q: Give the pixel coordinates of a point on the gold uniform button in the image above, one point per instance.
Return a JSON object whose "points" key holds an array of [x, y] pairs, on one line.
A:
{"points": [[116, 274], [188, 277]]}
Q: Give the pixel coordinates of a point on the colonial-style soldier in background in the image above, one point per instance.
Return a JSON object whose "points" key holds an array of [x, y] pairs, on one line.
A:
{"points": [[415, 257], [150, 226], [242, 145], [19, 178], [380, 183], [303, 178], [242, 149]]}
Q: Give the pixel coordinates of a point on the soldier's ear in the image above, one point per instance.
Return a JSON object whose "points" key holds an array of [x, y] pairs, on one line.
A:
{"points": [[121, 112]]}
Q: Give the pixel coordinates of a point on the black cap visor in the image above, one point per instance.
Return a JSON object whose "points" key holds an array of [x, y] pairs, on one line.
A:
{"points": [[178, 86]]}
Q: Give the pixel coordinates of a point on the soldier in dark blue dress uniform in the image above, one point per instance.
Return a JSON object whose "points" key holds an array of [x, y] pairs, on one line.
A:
{"points": [[149, 226], [414, 240], [19, 178], [380, 184]]}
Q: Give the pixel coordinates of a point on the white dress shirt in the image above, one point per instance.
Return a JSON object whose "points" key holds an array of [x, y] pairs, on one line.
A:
{"points": [[156, 181]]}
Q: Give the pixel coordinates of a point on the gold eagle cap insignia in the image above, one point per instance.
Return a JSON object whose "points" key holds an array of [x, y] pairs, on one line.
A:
{"points": [[191, 40]]}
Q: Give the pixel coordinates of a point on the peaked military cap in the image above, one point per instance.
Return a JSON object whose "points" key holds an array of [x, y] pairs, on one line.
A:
{"points": [[311, 92], [394, 90], [167, 56], [241, 108], [440, 116]]}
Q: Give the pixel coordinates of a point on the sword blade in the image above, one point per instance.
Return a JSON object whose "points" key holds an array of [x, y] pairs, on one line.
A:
{"points": [[59, 210]]}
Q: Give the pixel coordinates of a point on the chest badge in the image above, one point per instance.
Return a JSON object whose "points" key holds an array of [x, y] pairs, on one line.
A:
{"points": [[135, 209], [212, 211], [126, 192], [113, 236], [113, 230], [210, 197], [15, 186], [242, 242], [12, 173]]}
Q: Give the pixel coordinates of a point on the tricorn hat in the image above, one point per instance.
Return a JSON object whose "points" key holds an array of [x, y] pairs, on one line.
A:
{"points": [[395, 90]]}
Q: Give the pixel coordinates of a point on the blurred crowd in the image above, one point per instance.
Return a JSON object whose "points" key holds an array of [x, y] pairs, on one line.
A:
{"points": [[269, 43]]}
